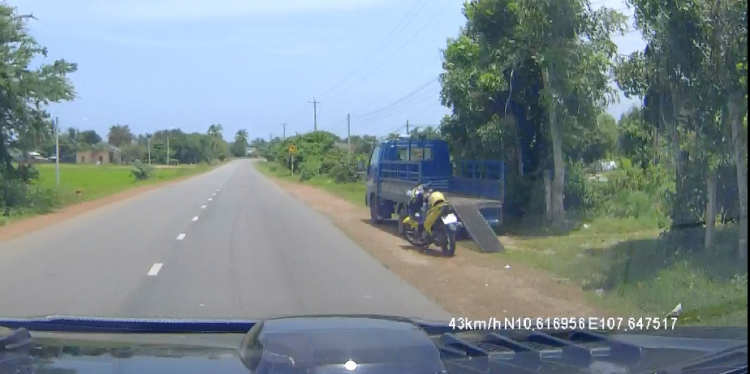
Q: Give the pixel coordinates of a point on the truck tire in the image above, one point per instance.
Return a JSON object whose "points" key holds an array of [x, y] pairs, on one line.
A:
{"points": [[374, 206]]}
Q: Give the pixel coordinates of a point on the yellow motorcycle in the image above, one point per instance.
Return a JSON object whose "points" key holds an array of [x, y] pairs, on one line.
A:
{"points": [[430, 219]]}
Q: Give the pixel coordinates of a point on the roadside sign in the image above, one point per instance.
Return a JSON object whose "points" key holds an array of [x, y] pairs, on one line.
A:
{"points": [[292, 149]]}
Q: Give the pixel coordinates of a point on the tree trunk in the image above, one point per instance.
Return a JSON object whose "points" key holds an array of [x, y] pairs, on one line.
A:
{"points": [[739, 145], [710, 209], [558, 182], [680, 214]]}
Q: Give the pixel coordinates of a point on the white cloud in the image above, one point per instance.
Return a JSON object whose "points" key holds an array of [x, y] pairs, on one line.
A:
{"points": [[184, 10]]}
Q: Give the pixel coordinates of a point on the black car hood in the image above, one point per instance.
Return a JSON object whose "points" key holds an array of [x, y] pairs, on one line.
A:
{"points": [[702, 350]]}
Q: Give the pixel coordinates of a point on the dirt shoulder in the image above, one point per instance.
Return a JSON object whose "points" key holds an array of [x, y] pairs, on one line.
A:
{"points": [[27, 225], [468, 285]]}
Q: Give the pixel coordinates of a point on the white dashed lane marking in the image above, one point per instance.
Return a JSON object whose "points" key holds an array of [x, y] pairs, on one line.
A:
{"points": [[155, 269], [195, 218], [210, 198], [181, 236], [203, 207]]}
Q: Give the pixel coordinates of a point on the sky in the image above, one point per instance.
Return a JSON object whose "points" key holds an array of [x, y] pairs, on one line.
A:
{"points": [[256, 65]]}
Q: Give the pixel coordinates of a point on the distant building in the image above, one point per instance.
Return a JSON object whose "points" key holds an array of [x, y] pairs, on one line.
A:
{"points": [[103, 153]]}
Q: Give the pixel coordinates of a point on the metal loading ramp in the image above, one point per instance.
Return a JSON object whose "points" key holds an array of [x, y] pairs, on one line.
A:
{"points": [[477, 227]]}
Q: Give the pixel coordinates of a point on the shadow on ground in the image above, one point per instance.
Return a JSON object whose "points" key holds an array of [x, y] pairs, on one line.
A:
{"points": [[391, 226]]}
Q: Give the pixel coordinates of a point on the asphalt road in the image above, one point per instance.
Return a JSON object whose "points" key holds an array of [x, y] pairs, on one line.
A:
{"points": [[225, 244]]}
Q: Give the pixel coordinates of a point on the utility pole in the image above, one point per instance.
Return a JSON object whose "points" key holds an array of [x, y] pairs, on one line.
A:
{"points": [[349, 132], [148, 143], [408, 151], [315, 112], [168, 152], [270, 138], [57, 153], [283, 136]]}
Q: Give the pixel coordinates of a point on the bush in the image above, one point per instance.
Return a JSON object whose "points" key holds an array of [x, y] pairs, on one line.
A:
{"points": [[42, 200], [140, 171], [214, 162], [345, 170], [627, 192], [310, 169], [222, 158], [27, 172], [18, 197]]}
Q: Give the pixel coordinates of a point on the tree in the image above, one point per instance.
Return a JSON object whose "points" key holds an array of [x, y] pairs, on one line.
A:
{"points": [[215, 130], [549, 56], [89, 137], [119, 135], [26, 90], [240, 145], [692, 94]]}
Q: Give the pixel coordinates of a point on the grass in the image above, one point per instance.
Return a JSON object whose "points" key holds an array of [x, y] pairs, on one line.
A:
{"points": [[82, 182], [97, 181], [623, 265], [637, 272], [352, 192]]}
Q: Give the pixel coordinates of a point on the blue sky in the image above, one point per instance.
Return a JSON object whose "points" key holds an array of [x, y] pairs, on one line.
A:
{"points": [[255, 64]]}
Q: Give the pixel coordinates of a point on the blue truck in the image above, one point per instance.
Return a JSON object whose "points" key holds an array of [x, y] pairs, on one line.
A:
{"points": [[476, 189]]}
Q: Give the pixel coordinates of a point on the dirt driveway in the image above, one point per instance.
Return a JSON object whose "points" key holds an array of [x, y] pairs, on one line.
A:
{"points": [[469, 285]]}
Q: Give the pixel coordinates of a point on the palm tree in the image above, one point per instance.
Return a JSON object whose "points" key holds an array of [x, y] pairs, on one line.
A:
{"points": [[241, 136], [215, 130]]}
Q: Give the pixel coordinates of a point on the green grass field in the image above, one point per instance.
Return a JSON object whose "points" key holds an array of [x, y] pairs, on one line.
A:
{"points": [[81, 183], [621, 264], [96, 181]]}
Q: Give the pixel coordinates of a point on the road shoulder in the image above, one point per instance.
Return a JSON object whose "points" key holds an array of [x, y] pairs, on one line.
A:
{"points": [[467, 285]]}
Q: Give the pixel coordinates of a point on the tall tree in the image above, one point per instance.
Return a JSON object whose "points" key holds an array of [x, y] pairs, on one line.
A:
{"points": [[26, 89], [216, 130], [512, 55], [693, 93], [120, 135], [239, 147]]}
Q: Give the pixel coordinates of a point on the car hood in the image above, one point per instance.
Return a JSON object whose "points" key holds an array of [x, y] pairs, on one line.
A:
{"points": [[457, 352]]}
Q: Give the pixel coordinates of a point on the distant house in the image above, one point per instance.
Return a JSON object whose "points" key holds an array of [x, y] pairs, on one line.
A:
{"points": [[28, 157], [102, 153]]}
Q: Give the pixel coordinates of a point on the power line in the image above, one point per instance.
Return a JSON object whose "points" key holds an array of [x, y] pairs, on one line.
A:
{"points": [[445, 4], [411, 78], [398, 28], [396, 111], [425, 85]]}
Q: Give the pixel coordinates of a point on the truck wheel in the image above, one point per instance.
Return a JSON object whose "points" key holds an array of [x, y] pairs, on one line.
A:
{"points": [[401, 217], [374, 206]]}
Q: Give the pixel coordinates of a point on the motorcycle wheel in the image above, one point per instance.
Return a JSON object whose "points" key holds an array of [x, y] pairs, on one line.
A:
{"points": [[447, 241], [410, 235]]}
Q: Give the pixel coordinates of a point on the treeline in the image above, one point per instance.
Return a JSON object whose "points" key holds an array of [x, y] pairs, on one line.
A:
{"points": [[528, 82], [178, 146]]}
